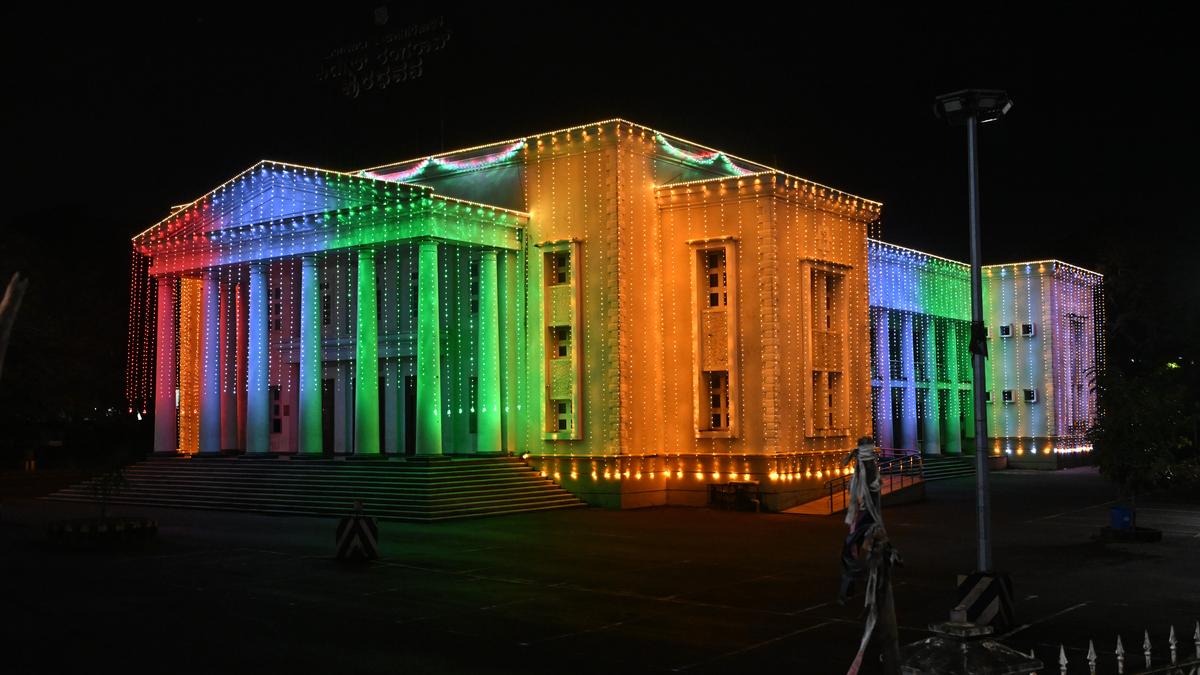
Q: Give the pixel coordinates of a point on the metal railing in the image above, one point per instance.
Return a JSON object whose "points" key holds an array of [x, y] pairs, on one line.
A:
{"points": [[894, 474], [1175, 661]]}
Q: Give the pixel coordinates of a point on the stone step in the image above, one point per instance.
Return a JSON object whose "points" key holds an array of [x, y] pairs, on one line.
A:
{"points": [[344, 497], [383, 514], [459, 488]]}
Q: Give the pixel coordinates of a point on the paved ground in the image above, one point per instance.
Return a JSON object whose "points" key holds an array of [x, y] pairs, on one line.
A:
{"points": [[668, 589]]}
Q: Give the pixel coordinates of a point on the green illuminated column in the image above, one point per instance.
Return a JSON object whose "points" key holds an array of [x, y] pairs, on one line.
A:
{"points": [[258, 405], [366, 360], [953, 440], [310, 359], [429, 361], [487, 403]]}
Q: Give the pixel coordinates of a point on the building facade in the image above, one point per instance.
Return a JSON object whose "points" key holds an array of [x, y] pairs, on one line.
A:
{"points": [[640, 315], [1044, 324]]}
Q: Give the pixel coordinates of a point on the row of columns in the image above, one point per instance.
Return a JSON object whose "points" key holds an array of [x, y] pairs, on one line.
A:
{"points": [[884, 406], [222, 423]]}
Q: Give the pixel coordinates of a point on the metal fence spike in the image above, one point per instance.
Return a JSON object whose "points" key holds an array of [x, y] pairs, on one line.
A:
{"points": [[1146, 648], [1091, 658], [1120, 656], [1062, 660], [1171, 641], [1196, 638]]}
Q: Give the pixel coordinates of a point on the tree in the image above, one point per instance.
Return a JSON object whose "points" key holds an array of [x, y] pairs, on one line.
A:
{"points": [[1144, 436]]}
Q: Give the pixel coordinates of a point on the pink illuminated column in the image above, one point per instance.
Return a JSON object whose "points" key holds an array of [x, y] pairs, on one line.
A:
{"points": [[166, 440], [228, 366]]}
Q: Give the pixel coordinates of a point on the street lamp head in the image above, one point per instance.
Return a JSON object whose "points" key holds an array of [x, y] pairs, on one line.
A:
{"points": [[986, 105]]}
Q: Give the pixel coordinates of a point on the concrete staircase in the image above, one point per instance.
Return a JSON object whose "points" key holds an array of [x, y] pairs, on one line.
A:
{"points": [[941, 467], [389, 489]]}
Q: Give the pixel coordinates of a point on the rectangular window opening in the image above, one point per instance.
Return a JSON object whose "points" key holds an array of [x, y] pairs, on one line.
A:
{"points": [[717, 384]]}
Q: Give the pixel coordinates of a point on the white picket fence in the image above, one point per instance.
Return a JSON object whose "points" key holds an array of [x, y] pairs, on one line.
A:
{"points": [[1127, 663]]}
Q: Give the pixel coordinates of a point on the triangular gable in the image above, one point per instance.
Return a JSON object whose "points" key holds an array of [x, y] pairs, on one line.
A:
{"points": [[271, 191]]}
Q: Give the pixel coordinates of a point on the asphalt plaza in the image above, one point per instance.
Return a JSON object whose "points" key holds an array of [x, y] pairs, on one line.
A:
{"points": [[586, 590]]}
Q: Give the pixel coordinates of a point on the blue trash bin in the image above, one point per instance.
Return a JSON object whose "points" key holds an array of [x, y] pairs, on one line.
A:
{"points": [[1121, 517]]}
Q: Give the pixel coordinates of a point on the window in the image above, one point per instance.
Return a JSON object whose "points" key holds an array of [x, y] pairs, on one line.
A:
{"points": [[987, 397], [560, 342], [275, 308], [827, 301], [1027, 330], [1006, 330], [1007, 395], [560, 412], [718, 400], [716, 280], [561, 312], [1031, 396], [558, 268], [714, 355], [276, 413], [826, 398]]}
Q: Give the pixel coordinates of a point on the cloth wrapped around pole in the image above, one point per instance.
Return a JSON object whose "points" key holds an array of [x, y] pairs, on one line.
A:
{"points": [[867, 552]]}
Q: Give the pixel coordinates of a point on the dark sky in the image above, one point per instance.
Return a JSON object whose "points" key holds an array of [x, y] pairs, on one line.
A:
{"points": [[110, 116]]}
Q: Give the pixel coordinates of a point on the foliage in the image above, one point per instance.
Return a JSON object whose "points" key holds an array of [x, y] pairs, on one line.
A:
{"points": [[1144, 438], [107, 485]]}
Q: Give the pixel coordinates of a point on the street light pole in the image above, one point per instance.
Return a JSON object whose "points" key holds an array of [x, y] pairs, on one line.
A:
{"points": [[983, 497], [970, 107]]}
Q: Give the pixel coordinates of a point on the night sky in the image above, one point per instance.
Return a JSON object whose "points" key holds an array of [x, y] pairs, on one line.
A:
{"points": [[111, 116]]}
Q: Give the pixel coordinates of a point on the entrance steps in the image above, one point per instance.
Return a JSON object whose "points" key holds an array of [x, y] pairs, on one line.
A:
{"points": [[462, 487], [941, 467]]}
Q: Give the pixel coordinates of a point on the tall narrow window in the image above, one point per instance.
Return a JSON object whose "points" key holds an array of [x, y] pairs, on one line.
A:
{"points": [[561, 299], [561, 419], [827, 301], [558, 268], [827, 411], [827, 336], [714, 353], [718, 400], [560, 342], [715, 278], [276, 411]]}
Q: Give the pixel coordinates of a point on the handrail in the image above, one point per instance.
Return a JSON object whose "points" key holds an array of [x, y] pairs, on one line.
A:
{"points": [[907, 469]]}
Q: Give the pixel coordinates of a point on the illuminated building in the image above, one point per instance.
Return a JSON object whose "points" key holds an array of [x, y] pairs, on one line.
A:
{"points": [[1044, 322], [641, 315]]}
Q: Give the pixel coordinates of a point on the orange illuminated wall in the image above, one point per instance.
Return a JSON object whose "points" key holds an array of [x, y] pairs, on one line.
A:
{"points": [[791, 338], [617, 414]]}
